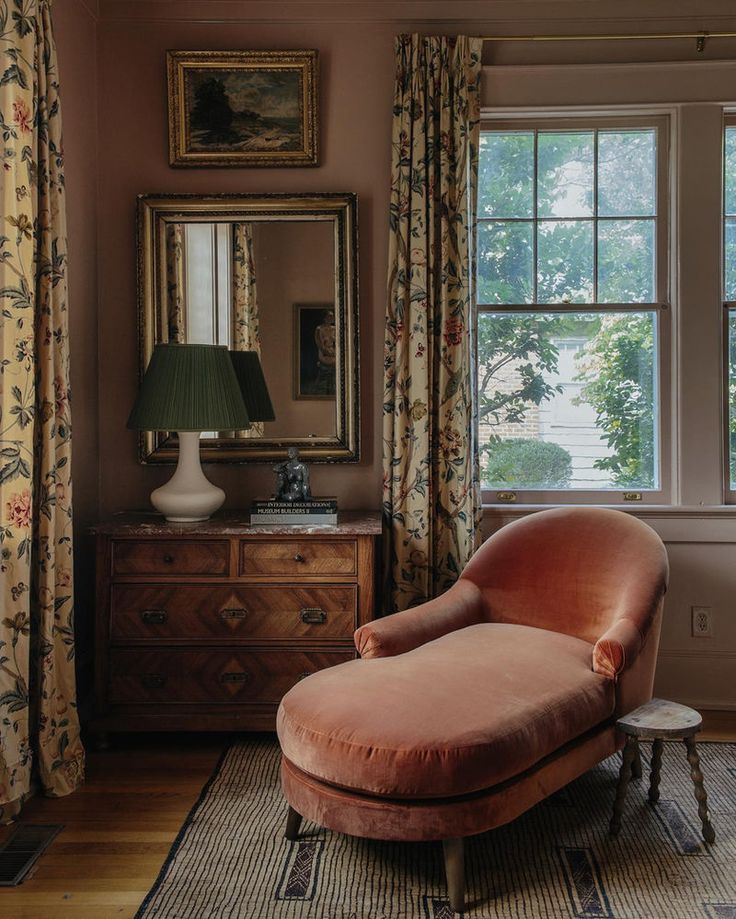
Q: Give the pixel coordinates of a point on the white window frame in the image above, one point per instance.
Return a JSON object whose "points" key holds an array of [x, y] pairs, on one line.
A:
{"points": [[571, 119], [729, 309]]}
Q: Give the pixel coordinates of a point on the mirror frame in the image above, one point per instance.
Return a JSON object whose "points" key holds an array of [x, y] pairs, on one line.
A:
{"points": [[154, 212]]}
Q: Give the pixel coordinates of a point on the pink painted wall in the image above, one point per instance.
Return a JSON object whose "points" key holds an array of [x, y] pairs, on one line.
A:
{"points": [[356, 82], [295, 263], [75, 32], [74, 29]]}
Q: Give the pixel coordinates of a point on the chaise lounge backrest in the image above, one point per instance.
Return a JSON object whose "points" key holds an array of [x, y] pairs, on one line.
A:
{"points": [[595, 574], [571, 570]]}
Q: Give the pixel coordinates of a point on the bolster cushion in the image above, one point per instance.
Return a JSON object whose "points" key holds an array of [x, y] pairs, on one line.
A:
{"points": [[617, 648]]}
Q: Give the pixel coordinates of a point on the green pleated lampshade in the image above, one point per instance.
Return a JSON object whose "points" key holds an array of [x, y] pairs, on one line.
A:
{"points": [[253, 387], [189, 388]]}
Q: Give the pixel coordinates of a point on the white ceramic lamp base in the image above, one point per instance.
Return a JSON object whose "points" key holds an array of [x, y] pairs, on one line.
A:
{"points": [[188, 495]]}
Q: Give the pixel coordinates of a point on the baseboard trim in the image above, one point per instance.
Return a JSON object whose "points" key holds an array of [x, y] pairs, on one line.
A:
{"points": [[697, 654], [708, 705]]}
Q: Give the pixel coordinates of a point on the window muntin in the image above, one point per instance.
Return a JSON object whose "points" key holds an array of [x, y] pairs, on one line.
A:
{"points": [[571, 275]]}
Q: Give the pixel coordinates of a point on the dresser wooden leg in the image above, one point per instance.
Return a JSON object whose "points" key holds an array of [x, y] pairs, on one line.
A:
{"points": [[624, 777], [454, 850], [696, 775], [293, 822]]}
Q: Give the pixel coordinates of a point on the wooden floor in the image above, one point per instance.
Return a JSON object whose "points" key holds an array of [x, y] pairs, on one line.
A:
{"points": [[119, 827]]}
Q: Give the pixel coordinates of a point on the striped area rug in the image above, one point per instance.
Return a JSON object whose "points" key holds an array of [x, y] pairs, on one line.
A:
{"points": [[231, 860]]}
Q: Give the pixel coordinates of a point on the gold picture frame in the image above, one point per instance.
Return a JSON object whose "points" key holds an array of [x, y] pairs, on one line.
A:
{"points": [[243, 108], [337, 210]]}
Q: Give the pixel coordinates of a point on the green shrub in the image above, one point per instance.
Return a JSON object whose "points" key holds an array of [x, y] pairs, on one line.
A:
{"points": [[521, 462]]}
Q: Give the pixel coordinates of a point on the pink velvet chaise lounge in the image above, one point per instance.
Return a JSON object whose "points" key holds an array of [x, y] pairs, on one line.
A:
{"points": [[464, 712]]}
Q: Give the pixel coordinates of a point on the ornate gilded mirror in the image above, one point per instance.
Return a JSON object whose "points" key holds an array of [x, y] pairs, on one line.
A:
{"points": [[275, 274]]}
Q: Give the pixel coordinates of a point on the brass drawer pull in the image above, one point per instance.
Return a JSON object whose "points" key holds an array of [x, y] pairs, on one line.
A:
{"points": [[234, 676], [313, 615], [234, 612], [169, 559], [298, 557], [154, 680], [154, 616]]}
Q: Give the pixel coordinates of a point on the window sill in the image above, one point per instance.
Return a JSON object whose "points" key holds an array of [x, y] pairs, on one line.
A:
{"points": [[699, 512]]}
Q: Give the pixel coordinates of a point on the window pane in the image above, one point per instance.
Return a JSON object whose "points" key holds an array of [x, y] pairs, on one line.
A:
{"points": [[568, 401], [505, 254], [626, 261], [200, 264], [732, 396], [565, 261], [729, 259], [506, 175], [565, 184], [730, 169], [627, 171]]}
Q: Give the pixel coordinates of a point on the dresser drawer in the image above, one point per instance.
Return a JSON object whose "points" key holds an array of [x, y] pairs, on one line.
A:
{"points": [[259, 612], [296, 558], [164, 556], [219, 677]]}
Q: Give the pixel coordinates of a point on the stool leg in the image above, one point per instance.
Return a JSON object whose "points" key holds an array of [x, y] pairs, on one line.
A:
{"points": [[636, 770], [702, 798], [624, 777], [656, 768], [293, 822], [454, 851]]}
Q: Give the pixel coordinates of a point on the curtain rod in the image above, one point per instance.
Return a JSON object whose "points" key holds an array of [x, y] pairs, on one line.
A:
{"points": [[700, 37]]}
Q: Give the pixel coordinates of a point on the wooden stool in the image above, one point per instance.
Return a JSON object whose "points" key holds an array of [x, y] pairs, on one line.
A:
{"points": [[657, 721]]}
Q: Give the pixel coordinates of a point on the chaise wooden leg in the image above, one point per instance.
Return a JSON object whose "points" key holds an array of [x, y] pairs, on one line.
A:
{"points": [[454, 850], [293, 822]]}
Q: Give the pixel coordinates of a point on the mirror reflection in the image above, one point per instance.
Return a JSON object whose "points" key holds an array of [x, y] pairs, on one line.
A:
{"points": [[263, 287]]}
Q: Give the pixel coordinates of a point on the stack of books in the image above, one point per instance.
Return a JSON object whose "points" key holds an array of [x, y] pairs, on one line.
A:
{"points": [[314, 512]]}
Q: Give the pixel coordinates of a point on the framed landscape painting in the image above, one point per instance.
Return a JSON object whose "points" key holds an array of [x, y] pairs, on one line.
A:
{"points": [[243, 108]]}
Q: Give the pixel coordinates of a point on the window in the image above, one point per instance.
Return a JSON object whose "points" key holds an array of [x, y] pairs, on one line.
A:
{"points": [[571, 278], [208, 267], [729, 292]]}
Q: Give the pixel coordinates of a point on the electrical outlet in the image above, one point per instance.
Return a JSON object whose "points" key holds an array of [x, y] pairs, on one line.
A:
{"points": [[702, 621]]}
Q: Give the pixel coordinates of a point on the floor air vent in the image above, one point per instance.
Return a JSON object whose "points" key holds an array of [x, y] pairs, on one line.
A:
{"points": [[24, 846]]}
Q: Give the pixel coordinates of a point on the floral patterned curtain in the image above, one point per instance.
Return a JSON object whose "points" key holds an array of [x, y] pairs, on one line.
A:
{"points": [[175, 283], [246, 332], [431, 491], [39, 727]]}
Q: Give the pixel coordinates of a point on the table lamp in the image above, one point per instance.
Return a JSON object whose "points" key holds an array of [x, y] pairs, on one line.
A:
{"points": [[189, 389], [252, 384]]}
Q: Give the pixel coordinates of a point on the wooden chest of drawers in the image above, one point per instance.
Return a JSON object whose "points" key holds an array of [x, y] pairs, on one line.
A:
{"points": [[206, 626]]}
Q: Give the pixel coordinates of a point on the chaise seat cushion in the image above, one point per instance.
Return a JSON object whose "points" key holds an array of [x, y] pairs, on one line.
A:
{"points": [[456, 715]]}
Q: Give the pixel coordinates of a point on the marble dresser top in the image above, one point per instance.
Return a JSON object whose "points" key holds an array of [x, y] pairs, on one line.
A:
{"points": [[234, 523]]}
